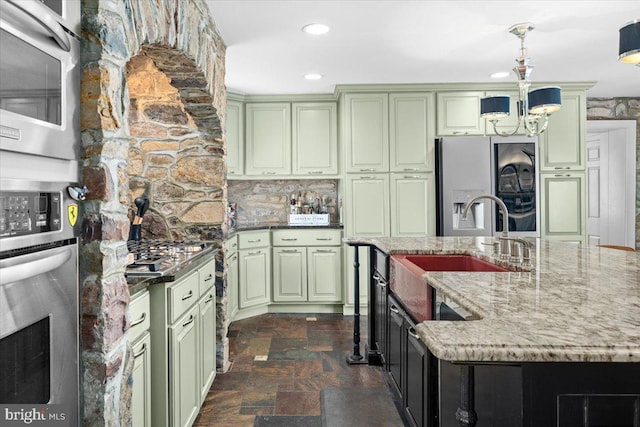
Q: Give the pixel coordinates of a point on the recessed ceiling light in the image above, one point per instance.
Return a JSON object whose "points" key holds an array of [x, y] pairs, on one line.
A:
{"points": [[313, 76], [316, 29], [499, 75]]}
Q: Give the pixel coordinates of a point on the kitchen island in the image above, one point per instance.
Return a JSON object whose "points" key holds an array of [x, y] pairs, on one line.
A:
{"points": [[564, 333]]}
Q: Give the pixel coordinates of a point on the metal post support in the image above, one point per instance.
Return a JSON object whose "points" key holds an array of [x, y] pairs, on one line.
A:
{"points": [[356, 358], [466, 413]]}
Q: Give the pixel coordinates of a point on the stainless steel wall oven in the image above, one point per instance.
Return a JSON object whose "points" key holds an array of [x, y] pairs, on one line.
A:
{"points": [[39, 80], [39, 313]]}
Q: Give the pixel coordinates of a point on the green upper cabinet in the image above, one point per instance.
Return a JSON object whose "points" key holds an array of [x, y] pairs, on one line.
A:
{"points": [[508, 124], [315, 138], [366, 132], [411, 132], [268, 135], [459, 113], [562, 145], [234, 131]]}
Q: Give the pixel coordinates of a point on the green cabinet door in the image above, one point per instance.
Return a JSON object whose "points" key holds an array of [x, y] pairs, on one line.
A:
{"points": [[366, 132], [411, 132], [315, 138], [563, 202], [183, 370], [207, 341], [459, 113], [255, 277], [367, 205], [289, 274], [234, 132], [562, 146], [268, 139], [413, 203], [324, 274], [141, 387]]}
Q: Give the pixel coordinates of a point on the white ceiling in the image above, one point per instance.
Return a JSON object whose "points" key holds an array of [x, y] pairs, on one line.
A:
{"points": [[424, 41]]}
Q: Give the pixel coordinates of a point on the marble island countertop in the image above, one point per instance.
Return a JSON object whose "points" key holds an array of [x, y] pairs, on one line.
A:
{"points": [[578, 303]]}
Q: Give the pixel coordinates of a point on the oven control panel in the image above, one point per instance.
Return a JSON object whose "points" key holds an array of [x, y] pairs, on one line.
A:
{"points": [[23, 213]]}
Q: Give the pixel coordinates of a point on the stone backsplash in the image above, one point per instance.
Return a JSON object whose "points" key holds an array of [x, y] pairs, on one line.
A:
{"points": [[267, 202]]}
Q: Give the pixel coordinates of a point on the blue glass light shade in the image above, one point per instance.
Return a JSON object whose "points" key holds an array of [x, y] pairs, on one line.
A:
{"points": [[629, 51], [494, 107], [544, 100]]}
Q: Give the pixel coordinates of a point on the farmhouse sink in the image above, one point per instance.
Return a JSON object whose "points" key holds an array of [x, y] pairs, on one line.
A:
{"points": [[407, 283], [451, 263]]}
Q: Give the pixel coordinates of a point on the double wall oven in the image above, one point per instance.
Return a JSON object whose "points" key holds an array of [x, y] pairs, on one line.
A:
{"points": [[39, 158]]}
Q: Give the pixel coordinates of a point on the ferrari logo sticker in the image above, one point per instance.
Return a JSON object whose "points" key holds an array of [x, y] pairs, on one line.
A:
{"points": [[72, 214]]}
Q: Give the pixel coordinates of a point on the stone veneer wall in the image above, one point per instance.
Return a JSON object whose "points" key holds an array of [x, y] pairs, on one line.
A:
{"points": [[178, 36], [267, 202], [621, 109]]}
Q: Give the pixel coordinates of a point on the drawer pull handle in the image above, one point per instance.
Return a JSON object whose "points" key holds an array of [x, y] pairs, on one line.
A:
{"points": [[268, 173], [289, 239], [209, 299], [457, 132], [375, 277], [290, 251], [188, 321], [394, 309], [210, 277], [324, 251], [559, 168], [253, 241], [315, 172], [411, 170], [368, 170], [412, 177], [234, 245], [324, 238], [254, 253], [233, 258], [559, 174], [140, 320], [368, 177], [412, 331], [187, 296], [142, 351]]}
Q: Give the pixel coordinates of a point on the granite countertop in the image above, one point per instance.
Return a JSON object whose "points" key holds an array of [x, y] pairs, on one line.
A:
{"points": [[280, 226], [138, 283], [577, 304]]}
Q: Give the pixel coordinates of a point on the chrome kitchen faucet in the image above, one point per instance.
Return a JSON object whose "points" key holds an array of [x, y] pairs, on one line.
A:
{"points": [[505, 246]]}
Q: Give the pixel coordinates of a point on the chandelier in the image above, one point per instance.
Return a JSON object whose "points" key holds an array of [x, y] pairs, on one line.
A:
{"points": [[534, 106]]}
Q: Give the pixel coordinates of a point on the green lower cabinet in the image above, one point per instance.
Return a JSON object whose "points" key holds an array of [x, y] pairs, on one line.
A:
{"points": [[255, 277], [289, 274], [141, 387], [183, 357], [302, 274], [324, 272]]}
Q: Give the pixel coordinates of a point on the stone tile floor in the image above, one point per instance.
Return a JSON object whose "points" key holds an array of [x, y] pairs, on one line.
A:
{"points": [[282, 364]]}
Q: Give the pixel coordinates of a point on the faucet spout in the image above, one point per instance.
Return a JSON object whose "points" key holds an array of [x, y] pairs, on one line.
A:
{"points": [[501, 205]]}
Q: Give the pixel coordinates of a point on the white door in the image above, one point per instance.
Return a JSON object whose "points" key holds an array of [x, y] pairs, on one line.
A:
{"points": [[611, 182]]}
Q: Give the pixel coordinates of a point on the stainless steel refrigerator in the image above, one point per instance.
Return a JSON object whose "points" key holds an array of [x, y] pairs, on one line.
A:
{"points": [[504, 167]]}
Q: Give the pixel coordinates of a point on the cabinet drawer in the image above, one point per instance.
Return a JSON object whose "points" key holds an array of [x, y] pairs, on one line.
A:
{"points": [[182, 295], [257, 239], [139, 315], [230, 246], [293, 237], [207, 276]]}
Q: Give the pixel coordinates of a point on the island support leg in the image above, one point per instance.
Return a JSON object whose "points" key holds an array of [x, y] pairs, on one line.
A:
{"points": [[356, 358], [466, 413]]}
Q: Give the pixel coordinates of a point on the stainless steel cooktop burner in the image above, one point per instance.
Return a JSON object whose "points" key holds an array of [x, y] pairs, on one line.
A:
{"points": [[158, 258]]}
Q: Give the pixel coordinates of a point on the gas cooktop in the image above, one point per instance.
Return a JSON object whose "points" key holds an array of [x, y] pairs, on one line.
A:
{"points": [[154, 258]]}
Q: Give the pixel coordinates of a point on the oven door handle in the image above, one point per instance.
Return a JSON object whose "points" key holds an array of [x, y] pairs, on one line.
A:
{"points": [[42, 17], [38, 264]]}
